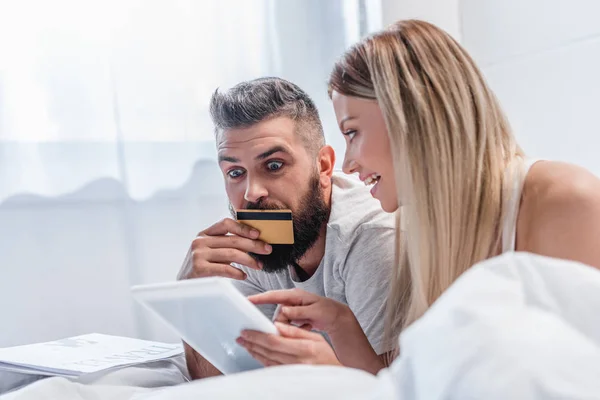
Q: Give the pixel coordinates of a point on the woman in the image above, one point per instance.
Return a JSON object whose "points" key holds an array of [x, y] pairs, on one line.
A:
{"points": [[423, 127]]}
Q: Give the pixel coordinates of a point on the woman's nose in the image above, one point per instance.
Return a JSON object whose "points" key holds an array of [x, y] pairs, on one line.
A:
{"points": [[349, 166]]}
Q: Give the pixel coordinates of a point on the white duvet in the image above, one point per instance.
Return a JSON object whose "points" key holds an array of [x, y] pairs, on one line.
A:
{"points": [[516, 326]]}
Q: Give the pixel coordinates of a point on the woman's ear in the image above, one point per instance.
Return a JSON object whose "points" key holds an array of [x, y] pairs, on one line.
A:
{"points": [[326, 163]]}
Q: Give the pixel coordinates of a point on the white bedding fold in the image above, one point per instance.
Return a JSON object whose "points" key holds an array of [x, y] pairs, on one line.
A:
{"points": [[517, 326]]}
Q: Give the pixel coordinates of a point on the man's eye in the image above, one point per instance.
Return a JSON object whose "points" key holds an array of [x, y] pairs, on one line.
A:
{"points": [[274, 165], [235, 173]]}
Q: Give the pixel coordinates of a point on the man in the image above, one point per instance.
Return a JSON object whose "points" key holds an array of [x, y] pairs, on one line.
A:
{"points": [[272, 152]]}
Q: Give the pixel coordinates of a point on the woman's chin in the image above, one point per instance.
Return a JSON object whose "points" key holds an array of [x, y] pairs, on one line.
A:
{"points": [[386, 196], [388, 205]]}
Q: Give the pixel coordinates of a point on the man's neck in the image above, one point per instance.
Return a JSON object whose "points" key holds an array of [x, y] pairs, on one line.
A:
{"points": [[312, 258]]}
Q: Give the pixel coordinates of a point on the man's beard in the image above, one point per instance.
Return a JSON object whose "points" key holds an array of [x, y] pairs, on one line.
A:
{"points": [[310, 217]]}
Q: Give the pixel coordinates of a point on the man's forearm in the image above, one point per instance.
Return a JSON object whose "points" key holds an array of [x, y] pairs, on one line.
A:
{"points": [[197, 365]]}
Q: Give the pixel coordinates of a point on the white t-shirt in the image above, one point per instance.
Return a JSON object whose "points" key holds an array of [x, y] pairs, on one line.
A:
{"points": [[355, 270]]}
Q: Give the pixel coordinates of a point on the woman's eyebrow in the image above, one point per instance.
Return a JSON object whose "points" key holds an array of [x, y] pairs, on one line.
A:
{"points": [[344, 120]]}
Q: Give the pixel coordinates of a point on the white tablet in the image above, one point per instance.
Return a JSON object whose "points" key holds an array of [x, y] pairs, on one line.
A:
{"points": [[208, 314]]}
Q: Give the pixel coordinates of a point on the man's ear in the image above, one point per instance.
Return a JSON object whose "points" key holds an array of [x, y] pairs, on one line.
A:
{"points": [[326, 163]]}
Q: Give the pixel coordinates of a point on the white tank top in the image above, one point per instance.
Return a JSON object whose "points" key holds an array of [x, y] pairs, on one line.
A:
{"points": [[509, 226]]}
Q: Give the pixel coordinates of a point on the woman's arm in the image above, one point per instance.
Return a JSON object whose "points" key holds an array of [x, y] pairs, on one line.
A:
{"points": [[352, 346]]}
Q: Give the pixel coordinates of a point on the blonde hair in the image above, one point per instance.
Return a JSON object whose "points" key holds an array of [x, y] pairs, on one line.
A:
{"points": [[451, 146]]}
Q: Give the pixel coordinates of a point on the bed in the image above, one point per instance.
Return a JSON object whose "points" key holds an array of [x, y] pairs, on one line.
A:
{"points": [[515, 326]]}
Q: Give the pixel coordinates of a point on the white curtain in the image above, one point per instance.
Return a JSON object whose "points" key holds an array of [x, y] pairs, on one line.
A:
{"points": [[107, 166]]}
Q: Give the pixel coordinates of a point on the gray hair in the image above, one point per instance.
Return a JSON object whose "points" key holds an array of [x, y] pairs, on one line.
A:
{"points": [[258, 100]]}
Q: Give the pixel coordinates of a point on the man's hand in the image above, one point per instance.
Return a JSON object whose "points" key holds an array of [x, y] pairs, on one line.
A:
{"points": [[215, 248]]}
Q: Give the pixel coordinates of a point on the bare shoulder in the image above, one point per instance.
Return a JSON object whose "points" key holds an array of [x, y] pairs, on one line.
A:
{"points": [[560, 212], [560, 187]]}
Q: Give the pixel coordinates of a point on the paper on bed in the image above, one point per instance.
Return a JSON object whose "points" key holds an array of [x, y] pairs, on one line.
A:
{"points": [[74, 356]]}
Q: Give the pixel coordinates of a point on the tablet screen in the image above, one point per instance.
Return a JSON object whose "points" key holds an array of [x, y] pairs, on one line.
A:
{"points": [[209, 315]]}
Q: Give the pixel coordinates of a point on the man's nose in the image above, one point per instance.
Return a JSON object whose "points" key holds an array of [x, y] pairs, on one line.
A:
{"points": [[255, 191]]}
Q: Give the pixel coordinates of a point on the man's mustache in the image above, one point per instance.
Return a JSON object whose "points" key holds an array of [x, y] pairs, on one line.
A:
{"points": [[261, 205]]}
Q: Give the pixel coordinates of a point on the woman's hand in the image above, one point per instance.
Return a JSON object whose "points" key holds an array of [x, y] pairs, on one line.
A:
{"points": [[309, 311], [305, 309], [293, 346]]}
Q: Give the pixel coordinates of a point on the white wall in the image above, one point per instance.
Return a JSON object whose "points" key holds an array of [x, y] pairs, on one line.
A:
{"points": [[541, 58], [443, 13]]}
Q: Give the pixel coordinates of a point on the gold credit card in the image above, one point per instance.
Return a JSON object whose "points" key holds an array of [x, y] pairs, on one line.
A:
{"points": [[275, 226]]}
